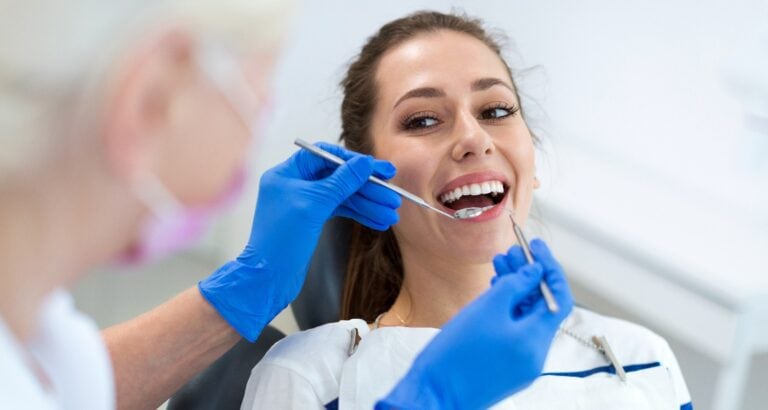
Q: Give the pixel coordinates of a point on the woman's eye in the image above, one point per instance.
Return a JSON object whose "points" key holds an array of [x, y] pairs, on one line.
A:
{"points": [[496, 113], [421, 123]]}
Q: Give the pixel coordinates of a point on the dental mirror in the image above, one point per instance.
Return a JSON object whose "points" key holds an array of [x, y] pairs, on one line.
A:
{"points": [[471, 212]]}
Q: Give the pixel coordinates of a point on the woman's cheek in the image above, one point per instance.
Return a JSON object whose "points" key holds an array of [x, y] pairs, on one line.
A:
{"points": [[407, 176], [407, 164]]}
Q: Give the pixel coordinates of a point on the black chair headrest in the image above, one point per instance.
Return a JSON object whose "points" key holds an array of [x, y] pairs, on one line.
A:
{"points": [[320, 299]]}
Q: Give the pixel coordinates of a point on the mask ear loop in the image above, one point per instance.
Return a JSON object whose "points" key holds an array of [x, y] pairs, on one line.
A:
{"points": [[225, 72], [223, 69], [155, 196]]}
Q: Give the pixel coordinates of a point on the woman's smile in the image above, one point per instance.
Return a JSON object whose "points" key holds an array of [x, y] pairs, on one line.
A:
{"points": [[484, 189]]}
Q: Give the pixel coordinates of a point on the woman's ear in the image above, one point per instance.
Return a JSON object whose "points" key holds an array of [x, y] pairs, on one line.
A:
{"points": [[144, 89], [536, 182]]}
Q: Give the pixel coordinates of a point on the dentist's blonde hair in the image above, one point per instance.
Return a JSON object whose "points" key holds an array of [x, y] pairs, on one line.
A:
{"points": [[56, 58]]}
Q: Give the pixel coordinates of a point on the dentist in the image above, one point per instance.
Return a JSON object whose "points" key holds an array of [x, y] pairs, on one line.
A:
{"points": [[124, 126]]}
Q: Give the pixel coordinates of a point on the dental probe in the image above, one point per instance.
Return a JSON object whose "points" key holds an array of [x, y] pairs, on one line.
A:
{"points": [[474, 211], [400, 191], [545, 291]]}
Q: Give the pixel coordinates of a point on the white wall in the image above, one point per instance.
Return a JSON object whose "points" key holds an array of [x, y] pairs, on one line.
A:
{"points": [[650, 91]]}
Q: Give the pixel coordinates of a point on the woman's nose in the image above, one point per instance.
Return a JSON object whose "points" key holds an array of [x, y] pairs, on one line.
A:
{"points": [[470, 138]]}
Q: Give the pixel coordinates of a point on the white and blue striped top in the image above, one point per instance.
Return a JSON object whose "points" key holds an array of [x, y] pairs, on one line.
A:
{"points": [[312, 369]]}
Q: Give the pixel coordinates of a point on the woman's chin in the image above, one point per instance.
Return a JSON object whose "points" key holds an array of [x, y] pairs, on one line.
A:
{"points": [[489, 238], [481, 250], [470, 243]]}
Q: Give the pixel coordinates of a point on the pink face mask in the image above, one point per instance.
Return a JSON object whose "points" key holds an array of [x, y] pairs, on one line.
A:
{"points": [[173, 226]]}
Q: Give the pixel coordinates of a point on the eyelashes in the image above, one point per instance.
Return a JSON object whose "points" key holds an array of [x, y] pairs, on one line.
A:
{"points": [[425, 120], [419, 121], [498, 111]]}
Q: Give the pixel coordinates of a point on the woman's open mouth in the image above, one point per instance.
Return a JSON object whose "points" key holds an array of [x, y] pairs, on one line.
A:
{"points": [[480, 194]]}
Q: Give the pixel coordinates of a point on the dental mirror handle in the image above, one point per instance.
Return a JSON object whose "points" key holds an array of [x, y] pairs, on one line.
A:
{"points": [[400, 191]]}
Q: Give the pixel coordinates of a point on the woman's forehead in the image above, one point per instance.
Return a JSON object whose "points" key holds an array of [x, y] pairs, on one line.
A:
{"points": [[443, 59]]}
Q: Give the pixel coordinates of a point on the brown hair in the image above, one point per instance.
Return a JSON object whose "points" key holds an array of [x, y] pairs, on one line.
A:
{"points": [[375, 269]]}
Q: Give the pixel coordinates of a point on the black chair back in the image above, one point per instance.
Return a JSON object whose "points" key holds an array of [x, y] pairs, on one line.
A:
{"points": [[320, 299], [222, 385]]}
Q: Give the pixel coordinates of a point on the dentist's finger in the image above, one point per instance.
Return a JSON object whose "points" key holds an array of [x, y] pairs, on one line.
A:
{"points": [[543, 255], [512, 289], [381, 168], [379, 194], [363, 219], [381, 214], [516, 258]]}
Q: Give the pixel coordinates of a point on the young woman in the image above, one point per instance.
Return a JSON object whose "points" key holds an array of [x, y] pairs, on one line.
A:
{"points": [[431, 93]]}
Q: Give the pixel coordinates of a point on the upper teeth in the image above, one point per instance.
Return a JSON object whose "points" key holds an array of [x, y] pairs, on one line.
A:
{"points": [[482, 188]]}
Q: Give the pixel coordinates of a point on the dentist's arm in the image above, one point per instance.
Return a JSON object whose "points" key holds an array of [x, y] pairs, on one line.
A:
{"points": [[158, 352], [154, 354], [494, 347]]}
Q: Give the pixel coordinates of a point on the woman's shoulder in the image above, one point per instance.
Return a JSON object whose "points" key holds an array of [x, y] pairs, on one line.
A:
{"points": [[323, 346], [589, 319], [303, 369]]}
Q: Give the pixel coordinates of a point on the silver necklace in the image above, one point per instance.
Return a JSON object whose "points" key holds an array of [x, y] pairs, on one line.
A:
{"points": [[599, 343], [580, 339]]}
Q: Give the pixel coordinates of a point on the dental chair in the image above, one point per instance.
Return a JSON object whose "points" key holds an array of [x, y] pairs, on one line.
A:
{"points": [[320, 299], [221, 386]]}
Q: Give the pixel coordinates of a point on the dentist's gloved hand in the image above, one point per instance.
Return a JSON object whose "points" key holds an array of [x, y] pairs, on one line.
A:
{"points": [[495, 346], [295, 199]]}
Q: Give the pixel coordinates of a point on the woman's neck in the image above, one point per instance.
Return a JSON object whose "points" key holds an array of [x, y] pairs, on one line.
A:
{"points": [[434, 290]]}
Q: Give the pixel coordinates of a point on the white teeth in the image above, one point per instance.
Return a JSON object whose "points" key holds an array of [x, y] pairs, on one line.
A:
{"points": [[483, 188]]}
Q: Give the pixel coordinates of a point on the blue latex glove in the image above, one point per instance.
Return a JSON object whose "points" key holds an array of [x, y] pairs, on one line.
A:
{"points": [[295, 199], [495, 346]]}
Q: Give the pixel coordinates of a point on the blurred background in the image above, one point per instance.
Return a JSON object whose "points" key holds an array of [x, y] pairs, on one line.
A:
{"points": [[654, 166]]}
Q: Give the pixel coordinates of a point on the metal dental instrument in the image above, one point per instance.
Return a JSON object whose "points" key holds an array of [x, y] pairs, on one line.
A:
{"points": [[545, 291], [465, 213], [400, 191], [471, 212]]}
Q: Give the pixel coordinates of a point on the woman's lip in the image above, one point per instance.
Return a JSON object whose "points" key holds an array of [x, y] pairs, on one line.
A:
{"points": [[473, 178]]}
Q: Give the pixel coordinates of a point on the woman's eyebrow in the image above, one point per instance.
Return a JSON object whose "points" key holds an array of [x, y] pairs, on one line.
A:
{"points": [[488, 82], [424, 92], [432, 92]]}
